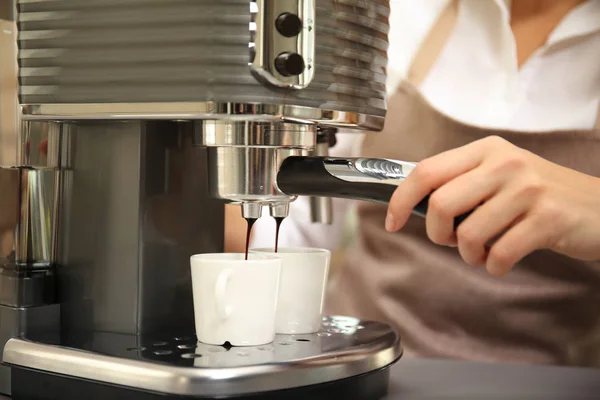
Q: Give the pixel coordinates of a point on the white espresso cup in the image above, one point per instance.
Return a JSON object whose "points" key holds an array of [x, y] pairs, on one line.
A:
{"points": [[302, 288], [235, 300]]}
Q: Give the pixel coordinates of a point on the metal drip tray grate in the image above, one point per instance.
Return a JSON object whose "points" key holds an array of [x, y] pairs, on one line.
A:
{"points": [[173, 364]]}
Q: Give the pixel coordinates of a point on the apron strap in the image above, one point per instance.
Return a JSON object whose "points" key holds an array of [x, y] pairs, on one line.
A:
{"points": [[432, 45]]}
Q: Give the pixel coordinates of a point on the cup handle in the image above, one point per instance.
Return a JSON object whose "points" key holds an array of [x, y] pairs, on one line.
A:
{"points": [[223, 309]]}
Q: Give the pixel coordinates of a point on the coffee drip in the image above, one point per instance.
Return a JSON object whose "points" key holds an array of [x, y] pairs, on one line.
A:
{"points": [[278, 221], [251, 221]]}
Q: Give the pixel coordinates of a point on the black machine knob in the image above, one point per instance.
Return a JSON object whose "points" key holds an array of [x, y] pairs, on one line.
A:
{"points": [[289, 64], [288, 24]]}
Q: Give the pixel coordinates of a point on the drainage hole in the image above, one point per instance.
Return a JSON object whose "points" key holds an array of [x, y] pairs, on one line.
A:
{"points": [[136, 349], [191, 355]]}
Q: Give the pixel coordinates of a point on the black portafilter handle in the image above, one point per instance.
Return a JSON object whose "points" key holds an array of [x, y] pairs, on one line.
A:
{"points": [[366, 179]]}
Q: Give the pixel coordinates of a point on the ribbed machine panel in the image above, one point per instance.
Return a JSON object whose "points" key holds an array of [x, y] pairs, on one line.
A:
{"points": [[130, 51]]}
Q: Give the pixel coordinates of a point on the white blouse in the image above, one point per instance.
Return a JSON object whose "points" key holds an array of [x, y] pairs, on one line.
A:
{"points": [[476, 80]]}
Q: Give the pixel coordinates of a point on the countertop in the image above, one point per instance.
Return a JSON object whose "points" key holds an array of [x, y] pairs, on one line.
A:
{"points": [[445, 379], [433, 379]]}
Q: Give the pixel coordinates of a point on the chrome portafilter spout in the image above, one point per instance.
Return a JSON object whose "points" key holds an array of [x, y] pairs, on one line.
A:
{"points": [[366, 179], [244, 158]]}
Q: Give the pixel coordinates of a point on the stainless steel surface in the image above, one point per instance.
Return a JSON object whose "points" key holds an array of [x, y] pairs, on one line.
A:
{"points": [[42, 145], [36, 243], [117, 59], [254, 133], [279, 210], [369, 170], [268, 45], [17, 321], [244, 158], [9, 105], [321, 208], [251, 210], [28, 216], [135, 206], [344, 348], [248, 174], [203, 111]]}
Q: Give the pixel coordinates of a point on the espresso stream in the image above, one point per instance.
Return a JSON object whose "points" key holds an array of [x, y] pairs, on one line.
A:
{"points": [[278, 221], [251, 221]]}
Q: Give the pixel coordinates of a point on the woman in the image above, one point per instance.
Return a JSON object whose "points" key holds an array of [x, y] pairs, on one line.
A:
{"points": [[499, 104]]}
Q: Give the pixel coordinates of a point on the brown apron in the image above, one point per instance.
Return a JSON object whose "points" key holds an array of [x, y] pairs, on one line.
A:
{"points": [[547, 310]]}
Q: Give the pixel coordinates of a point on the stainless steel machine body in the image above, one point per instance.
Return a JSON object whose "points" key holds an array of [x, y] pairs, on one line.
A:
{"points": [[124, 124]]}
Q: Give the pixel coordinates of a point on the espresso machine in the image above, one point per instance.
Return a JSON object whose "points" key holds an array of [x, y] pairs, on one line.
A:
{"points": [[125, 125]]}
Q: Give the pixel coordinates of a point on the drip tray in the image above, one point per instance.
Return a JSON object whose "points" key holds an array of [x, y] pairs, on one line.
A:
{"points": [[347, 356]]}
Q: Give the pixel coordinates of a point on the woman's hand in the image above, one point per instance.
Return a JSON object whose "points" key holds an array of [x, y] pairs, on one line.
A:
{"points": [[521, 201]]}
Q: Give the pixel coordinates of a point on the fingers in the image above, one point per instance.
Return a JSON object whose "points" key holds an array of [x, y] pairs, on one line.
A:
{"points": [[429, 175], [488, 221], [517, 200], [522, 239], [459, 196]]}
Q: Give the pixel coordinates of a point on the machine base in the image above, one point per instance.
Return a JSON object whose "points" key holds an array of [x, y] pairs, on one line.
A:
{"points": [[347, 358], [35, 385], [19, 321]]}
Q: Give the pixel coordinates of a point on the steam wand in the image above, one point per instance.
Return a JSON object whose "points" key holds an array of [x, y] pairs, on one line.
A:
{"points": [[367, 179]]}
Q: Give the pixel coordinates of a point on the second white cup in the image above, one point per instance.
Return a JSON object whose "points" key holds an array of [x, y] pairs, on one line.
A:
{"points": [[302, 286]]}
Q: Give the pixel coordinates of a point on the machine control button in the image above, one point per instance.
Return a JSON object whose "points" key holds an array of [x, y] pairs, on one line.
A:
{"points": [[186, 346], [163, 352], [289, 64], [288, 24]]}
